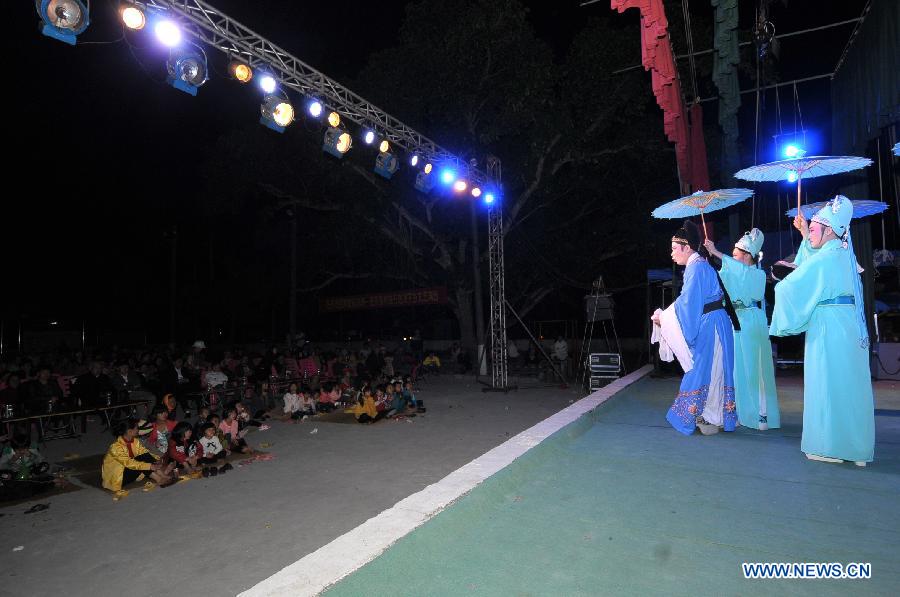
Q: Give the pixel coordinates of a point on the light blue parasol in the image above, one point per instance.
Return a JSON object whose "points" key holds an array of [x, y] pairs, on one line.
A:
{"points": [[802, 167], [896, 148], [701, 202], [861, 208]]}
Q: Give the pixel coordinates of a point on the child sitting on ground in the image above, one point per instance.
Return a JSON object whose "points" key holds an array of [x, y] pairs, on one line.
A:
{"points": [[399, 405], [365, 410], [211, 444], [292, 401], [329, 394], [244, 418], [158, 439], [411, 399], [229, 426], [127, 460], [183, 450], [211, 452]]}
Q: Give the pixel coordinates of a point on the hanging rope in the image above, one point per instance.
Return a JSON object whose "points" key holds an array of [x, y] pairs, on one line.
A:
{"points": [[686, 11]]}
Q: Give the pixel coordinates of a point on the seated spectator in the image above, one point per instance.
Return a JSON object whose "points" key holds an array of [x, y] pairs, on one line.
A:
{"points": [[175, 379], [10, 394], [183, 450], [410, 396], [212, 449], [382, 399], [230, 428], [90, 389], [329, 395], [365, 410], [297, 404], [432, 363], [171, 405], [23, 471], [160, 429], [202, 417], [128, 385], [127, 461], [245, 419], [399, 405], [43, 394], [216, 377]]}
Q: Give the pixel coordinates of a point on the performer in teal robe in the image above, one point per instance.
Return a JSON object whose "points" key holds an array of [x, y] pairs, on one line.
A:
{"points": [[823, 298], [706, 396], [754, 371]]}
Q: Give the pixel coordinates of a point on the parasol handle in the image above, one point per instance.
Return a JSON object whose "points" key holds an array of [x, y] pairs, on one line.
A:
{"points": [[703, 219], [799, 178]]}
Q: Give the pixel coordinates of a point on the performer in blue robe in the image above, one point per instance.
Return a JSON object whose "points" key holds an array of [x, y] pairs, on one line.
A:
{"points": [[754, 372], [823, 297], [706, 396]]}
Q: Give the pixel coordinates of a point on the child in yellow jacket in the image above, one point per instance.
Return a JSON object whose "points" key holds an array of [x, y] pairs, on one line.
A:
{"points": [[365, 410], [127, 460]]}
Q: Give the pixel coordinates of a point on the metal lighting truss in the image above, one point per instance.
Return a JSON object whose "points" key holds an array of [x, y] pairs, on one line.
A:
{"points": [[220, 31], [496, 278]]}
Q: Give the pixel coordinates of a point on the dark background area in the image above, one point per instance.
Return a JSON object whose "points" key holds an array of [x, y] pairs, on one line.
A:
{"points": [[105, 160]]}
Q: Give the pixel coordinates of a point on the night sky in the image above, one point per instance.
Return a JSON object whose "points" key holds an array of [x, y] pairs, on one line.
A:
{"points": [[103, 157]]}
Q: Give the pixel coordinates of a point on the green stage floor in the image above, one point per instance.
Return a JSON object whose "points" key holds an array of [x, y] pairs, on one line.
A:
{"points": [[618, 503]]}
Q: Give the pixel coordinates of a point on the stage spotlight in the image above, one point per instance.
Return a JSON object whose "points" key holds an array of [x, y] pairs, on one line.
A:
{"points": [[334, 119], [414, 160], [386, 164], [369, 137], [133, 17], [315, 108], [63, 19], [168, 33], [488, 198], [187, 70], [428, 168], [337, 142], [793, 151], [459, 186], [792, 176], [277, 113], [424, 182], [242, 72], [268, 83], [476, 192], [448, 176], [384, 146]]}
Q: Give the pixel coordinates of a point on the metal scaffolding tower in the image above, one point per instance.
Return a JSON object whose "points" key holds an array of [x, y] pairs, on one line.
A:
{"points": [[496, 278], [210, 26]]}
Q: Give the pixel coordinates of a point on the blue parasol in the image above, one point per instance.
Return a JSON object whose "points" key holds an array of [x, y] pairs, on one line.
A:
{"points": [[802, 167], [861, 208], [896, 148], [701, 202]]}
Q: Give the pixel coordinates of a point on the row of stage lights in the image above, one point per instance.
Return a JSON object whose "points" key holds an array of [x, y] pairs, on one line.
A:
{"points": [[187, 71]]}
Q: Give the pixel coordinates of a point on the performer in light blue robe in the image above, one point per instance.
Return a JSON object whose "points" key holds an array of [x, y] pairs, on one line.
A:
{"points": [[754, 371], [706, 396], [823, 297]]}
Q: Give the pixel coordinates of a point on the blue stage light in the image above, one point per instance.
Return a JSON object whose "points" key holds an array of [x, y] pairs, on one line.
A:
{"points": [[63, 19], [386, 164], [268, 83], [276, 113], [488, 198], [336, 142], [369, 137], [414, 160], [424, 181], [793, 151], [315, 108], [792, 176], [448, 176], [187, 69]]}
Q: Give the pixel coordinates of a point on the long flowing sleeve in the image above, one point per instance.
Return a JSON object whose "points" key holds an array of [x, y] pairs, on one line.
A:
{"points": [[797, 296], [689, 306]]}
